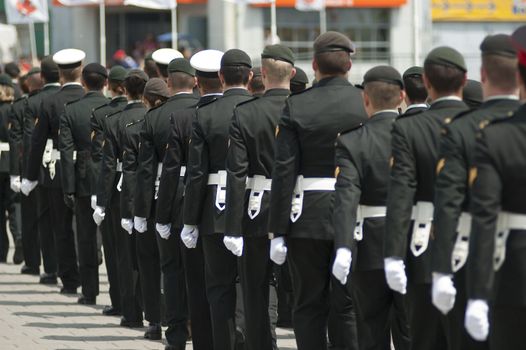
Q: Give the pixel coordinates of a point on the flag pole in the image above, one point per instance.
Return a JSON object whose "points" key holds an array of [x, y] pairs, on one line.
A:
{"points": [[174, 25], [273, 22], [46, 38], [323, 19], [33, 43], [102, 30]]}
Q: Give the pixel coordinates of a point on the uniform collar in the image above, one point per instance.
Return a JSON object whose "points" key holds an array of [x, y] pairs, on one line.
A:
{"points": [[446, 98], [502, 97], [51, 85], [417, 105], [385, 111], [330, 81], [236, 91], [119, 98], [74, 83], [94, 93], [277, 92]]}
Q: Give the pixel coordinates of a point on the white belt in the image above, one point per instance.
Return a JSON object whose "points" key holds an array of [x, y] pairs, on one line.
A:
{"points": [[119, 167], [423, 217], [219, 179], [505, 223], [257, 185], [364, 212], [50, 157], [4, 147], [158, 179], [308, 184], [461, 248]]}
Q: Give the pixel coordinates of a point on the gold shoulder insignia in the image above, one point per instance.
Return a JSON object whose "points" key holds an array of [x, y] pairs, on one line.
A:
{"points": [[9, 126], [92, 135], [103, 142], [337, 172], [483, 124], [36, 121], [167, 146], [440, 165], [448, 120], [473, 172], [277, 131], [391, 162]]}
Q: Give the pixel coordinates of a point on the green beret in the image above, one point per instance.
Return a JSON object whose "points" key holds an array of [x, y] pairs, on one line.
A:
{"points": [[156, 86], [278, 52], [498, 44], [236, 58], [446, 56], [34, 70], [413, 71], [139, 73], [300, 77], [385, 74], [472, 93], [6, 80], [181, 65], [117, 73], [95, 68], [333, 41]]}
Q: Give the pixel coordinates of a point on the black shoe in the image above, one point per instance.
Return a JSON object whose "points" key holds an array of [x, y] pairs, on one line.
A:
{"points": [[83, 300], [131, 324], [48, 278], [173, 347], [68, 290], [18, 256], [110, 310], [154, 332], [26, 270]]}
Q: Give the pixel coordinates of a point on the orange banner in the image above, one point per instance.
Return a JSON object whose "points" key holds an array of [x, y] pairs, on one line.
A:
{"points": [[120, 2]]}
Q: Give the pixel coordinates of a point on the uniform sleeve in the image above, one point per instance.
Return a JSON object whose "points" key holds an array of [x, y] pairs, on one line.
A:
{"points": [[197, 176], [347, 197], [66, 146], [28, 125], [129, 173], [485, 206], [97, 139], [402, 187], [41, 132], [146, 171], [16, 133], [450, 192], [108, 171], [286, 168], [237, 171]]}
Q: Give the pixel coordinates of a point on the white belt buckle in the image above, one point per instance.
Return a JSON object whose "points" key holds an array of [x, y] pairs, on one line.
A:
{"points": [[422, 227], [46, 157], [119, 184], [256, 196], [221, 191], [503, 231], [461, 248], [158, 179], [297, 200], [358, 230]]}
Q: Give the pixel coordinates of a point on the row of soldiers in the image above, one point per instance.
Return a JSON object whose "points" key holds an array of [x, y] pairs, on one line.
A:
{"points": [[374, 212]]}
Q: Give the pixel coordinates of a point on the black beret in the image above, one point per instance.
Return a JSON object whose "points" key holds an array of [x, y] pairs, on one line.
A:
{"points": [[519, 42], [236, 58], [498, 44], [472, 93], [446, 56], [139, 73], [12, 69], [278, 52], [181, 65], [156, 86], [385, 74], [333, 41], [48, 66], [413, 71], [95, 68], [6, 80], [117, 73], [300, 77]]}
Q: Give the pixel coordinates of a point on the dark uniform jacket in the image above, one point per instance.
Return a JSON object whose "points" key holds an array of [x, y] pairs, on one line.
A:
{"points": [[75, 136], [130, 141], [207, 155], [306, 134], [499, 184], [362, 161], [47, 127], [16, 134], [98, 125], [112, 149], [154, 137], [415, 146], [5, 111], [170, 201], [452, 195], [251, 152]]}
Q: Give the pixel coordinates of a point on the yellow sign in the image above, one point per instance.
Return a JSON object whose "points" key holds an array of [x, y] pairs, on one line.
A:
{"points": [[478, 10]]}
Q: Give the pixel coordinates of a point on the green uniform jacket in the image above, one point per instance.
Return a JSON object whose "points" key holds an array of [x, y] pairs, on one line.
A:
{"points": [[130, 141], [16, 134]]}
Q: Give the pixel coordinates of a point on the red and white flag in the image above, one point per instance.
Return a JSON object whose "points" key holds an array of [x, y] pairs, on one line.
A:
{"points": [[310, 5], [79, 2], [26, 11], [153, 4]]}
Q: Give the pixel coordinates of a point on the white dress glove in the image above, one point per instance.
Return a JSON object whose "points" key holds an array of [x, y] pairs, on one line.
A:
{"points": [[189, 236], [342, 264], [234, 244], [15, 183], [395, 274], [140, 224], [127, 225], [27, 186], [443, 292], [164, 230], [278, 250], [93, 202], [476, 321], [98, 215]]}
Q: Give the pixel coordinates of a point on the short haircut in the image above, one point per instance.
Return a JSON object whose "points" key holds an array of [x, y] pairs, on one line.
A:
{"points": [[50, 76], [444, 79], [415, 89], [333, 63], [238, 75], [155, 100], [256, 85], [93, 81], [522, 72], [383, 95], [278, 72], [297, 87], [134, 87], [180, 80], [209, 84], [150, 68], [71, 74], [7, 93], [34, 82], [22, 81], [116, 86], [501, 71]]}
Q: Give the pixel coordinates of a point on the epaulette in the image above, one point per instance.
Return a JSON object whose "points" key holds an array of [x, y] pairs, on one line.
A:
{"points": [[72, 102], [21, 98], [156, 107], [356, 127], [462, 114], [247, 101], [301, 92], [207, 103], [406, 115], [112, 114], [34, 92], [135, 122], [100, 107]]}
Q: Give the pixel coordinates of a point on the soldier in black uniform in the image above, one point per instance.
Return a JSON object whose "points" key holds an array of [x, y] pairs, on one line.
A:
{"points": [[162, 59], [304, 174], [170, 201], [75, 161], [451, 218], [35, 206], [472, 94], [299, 81], [415, 142], [205, 194], [496, 270], [249, 161], [44, 150], [109, 198], [256, 86], [98, 126], [362, 168], [154, 137], [415, 91]]}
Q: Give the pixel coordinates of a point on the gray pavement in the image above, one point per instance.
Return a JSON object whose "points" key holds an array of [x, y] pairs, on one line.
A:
{"points": [[37, 317]]}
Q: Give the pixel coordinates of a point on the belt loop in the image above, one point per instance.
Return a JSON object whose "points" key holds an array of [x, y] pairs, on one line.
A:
{"points": [[358, 230], [422, 227], [297, 200], [221, 191]]}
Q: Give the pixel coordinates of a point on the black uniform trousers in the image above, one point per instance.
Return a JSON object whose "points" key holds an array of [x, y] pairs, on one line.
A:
{"points": [[174, 287], [194, 269], [255, 268], [45, 232], [30, 233], [321, 303], [380, 312], [220, 279], [87, 247], [4, 195], [150, 272], [108, 232], [284, 294]]}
